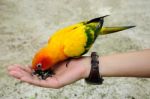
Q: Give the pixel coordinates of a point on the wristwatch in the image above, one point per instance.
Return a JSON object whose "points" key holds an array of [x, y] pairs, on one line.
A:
{"points": [[94, 76]]}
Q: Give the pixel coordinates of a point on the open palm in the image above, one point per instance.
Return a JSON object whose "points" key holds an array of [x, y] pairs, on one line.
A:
{"points": [[76, 70]]}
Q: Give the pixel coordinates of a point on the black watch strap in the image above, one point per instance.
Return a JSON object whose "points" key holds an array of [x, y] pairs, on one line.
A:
{"points": [[94, 76]]}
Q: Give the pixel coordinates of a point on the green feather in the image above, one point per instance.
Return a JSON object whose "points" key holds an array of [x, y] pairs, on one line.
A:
{"points": [[95, 27]]}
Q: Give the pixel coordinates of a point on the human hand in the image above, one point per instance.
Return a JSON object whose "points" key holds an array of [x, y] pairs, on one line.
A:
{"points": [[77, 69]]}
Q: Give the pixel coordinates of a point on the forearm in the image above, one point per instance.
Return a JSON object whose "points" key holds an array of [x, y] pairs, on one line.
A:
{"points": [[133, 64]]}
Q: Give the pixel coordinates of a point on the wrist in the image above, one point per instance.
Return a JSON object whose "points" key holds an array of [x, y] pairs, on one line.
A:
{"points": [[86, 63]]}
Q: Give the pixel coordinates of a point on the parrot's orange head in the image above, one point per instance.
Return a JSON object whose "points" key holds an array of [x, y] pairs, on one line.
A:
{"points": [[41, 61]]}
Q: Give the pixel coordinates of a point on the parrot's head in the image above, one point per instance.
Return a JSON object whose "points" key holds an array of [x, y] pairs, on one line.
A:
{"points": [[42, 60]]}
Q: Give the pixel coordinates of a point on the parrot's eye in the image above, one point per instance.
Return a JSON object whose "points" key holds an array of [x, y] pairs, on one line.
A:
{"points": [[39, 65]]}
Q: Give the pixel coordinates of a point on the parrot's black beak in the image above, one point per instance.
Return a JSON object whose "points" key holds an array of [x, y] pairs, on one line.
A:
{"points": [[43, 74]]}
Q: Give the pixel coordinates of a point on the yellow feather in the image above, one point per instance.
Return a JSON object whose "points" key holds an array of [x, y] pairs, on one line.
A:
{"points": [[67, 38]]}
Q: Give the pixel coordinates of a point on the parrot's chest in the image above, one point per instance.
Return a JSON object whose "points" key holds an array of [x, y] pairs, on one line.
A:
{"points": [[57, 51]]}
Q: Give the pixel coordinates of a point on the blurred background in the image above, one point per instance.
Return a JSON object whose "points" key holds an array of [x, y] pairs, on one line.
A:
{"points": [[26, 25]]}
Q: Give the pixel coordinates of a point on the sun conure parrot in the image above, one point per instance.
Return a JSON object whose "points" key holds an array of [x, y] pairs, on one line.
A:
{"points": [[70, 42]]}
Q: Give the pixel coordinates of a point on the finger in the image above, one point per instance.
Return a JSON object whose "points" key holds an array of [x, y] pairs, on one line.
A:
{"points": [[50, 82], [32, 80], [27, 68], [17, 67], [16, 74], [19, 70], [12, 67], [19, 73], [25, 77]]}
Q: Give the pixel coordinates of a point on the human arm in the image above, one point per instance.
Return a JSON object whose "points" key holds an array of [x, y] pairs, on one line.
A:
{"points": [[133, 64]]}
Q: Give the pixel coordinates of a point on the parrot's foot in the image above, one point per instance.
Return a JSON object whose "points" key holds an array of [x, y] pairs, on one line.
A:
{"points": [[43, 74], [68, 61]]}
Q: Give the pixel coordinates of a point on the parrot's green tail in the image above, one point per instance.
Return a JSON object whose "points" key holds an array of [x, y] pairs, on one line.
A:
{"points": [[109, 30]]}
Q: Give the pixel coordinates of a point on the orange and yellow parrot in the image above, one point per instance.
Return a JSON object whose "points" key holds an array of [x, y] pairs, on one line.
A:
{"points": [[70, 42]]}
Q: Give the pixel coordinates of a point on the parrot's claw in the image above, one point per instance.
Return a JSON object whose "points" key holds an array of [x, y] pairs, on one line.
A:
{"points": [[68, 61]]}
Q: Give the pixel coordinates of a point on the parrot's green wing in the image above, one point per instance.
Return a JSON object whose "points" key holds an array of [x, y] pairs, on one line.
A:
{"points": [[92, 30], [95, 27], [80, 37]]}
